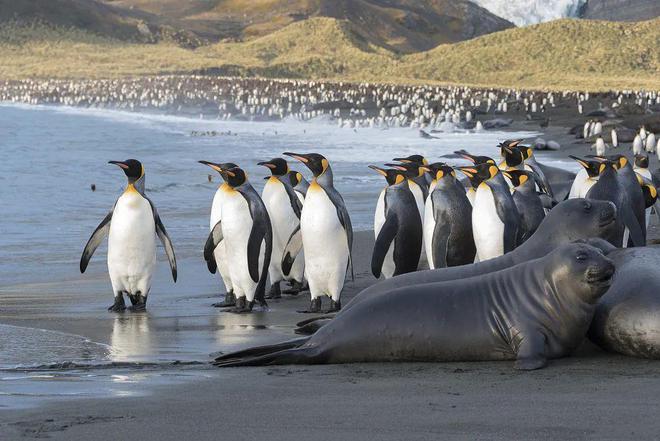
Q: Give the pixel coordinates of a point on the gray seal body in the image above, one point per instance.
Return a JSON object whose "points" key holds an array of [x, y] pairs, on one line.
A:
{"points": [[532, 312]]}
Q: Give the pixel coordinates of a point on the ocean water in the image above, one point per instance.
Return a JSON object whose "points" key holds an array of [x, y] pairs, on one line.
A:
{"points": [[52, 155]]}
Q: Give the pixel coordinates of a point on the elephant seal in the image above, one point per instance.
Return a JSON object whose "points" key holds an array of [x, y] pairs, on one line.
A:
{"points": [[627, 318], [531, 312], [571, 220]]}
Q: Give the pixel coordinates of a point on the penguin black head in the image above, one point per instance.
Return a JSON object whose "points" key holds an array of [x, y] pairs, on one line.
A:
{"points": [[413, 159], [650, 193], [439, 170], [411, 169], [235, 176], [526, 151], [513, 156], [392, 176], [479, 173], [475, 159], [511, 143], [132, 168], [314, 161], [620, 161], [294, 177], [277, 166], [641, 161], [521, 177], [591, 166]]}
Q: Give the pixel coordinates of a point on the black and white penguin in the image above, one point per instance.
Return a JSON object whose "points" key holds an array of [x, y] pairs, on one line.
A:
{"points": [[532, 165], [246, 229], [284, 209], [629, 181], [398, 227], [416, 181], [325, 233], [299, 183], [220, 252], [610, 188], [448, 238], [495, 219], [527, 200], [131, 226], [585, 178], [420, 161]]}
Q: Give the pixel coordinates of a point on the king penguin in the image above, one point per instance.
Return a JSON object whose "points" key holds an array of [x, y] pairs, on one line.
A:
{"points": [[284, 208], [131, 226], [448, 238], [246, 229], [585, 178], [220, 253], [527, 200], [397, 226], [325, 233], [495, 219]]}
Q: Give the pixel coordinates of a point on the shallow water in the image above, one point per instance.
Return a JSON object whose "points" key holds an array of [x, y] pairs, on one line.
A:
{"points": [[51, 156]]}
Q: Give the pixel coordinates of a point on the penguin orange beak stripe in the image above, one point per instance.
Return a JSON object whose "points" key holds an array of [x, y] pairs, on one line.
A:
{"points": [[215, 167], [469, 171], [403, 160], [267, 164], [297, 156], [378, 170], [120, 164]]}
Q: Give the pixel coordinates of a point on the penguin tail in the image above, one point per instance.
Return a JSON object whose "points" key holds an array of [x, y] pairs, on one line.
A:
{"points": [[290, 352], [312, 326], [258, 351]]}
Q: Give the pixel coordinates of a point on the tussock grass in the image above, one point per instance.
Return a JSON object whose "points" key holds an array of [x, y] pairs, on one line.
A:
{"points": [[565, 54]]}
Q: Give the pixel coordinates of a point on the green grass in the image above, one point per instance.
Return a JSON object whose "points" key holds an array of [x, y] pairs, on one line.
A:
{"points": [[565, 54]]}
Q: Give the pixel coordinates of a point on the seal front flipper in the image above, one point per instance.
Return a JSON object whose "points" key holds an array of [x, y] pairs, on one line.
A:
{"points": [[382, 245], [291, 251], [531, 351], [95, 240], [261, 350], [215, 237]]}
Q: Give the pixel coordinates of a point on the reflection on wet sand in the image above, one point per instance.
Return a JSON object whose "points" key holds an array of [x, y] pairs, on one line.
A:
{"points": [[131, 338]]}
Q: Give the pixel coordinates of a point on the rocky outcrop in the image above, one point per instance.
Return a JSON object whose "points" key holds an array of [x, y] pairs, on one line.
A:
{"points": [[621, 10]]}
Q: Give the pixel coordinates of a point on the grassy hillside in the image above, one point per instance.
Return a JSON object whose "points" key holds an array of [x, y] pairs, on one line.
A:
{"points": [[566, 54]]}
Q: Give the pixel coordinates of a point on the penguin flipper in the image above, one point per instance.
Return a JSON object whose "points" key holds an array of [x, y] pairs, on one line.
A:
{"points": [[345, 221], [381, 247], [511, 220], [95, 240], [296, 205], [440, 243], [215, 237], [257, 236], [630, 221], [167, 243], [291, 251]]}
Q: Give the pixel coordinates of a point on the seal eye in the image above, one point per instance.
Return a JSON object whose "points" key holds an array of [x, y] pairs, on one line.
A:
{"points": [[581, 257], [586, 206]]}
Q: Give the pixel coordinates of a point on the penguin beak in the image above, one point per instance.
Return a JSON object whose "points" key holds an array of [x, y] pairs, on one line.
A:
{"points": [[425, 169], [378, 170], [402, 160], [397, 167], [507, 174], [214, 166], [267, 164], [515, 142], [120, 164], [466, 156], [468, 171], [300, 157]]}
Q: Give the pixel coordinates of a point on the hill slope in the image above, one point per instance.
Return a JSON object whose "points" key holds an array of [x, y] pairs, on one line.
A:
{"points": [[399, 25], [565, 54]]}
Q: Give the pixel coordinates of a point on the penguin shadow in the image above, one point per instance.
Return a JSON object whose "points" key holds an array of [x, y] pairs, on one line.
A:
{"points": [[132, 337]]}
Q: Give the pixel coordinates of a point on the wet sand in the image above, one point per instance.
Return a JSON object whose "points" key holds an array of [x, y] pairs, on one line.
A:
{"points": [[592, 395]]}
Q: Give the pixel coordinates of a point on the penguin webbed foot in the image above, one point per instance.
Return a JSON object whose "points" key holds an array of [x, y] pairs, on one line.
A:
{"points": [[138, 302], [334, 307], [275, 292], [242, 306], [296, 288], [119, 305], [229, 301], [314, 307]]}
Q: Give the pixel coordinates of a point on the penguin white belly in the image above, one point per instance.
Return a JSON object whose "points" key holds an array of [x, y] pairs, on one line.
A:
{"points": [[283, 221], [220, 253], [132, 245], [325, 244], [471, 194], [236, 228], [429, 227], [379, 219], [580, 177], [298, 269], [487, 227], [420, 202]]}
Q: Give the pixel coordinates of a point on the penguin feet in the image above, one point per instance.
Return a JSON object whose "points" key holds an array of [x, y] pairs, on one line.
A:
{"points": [[274, 292], [334, 306], [296, 288], [230, 300], [119, 305], [242, 306], [314, 307], [139, 303]]}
